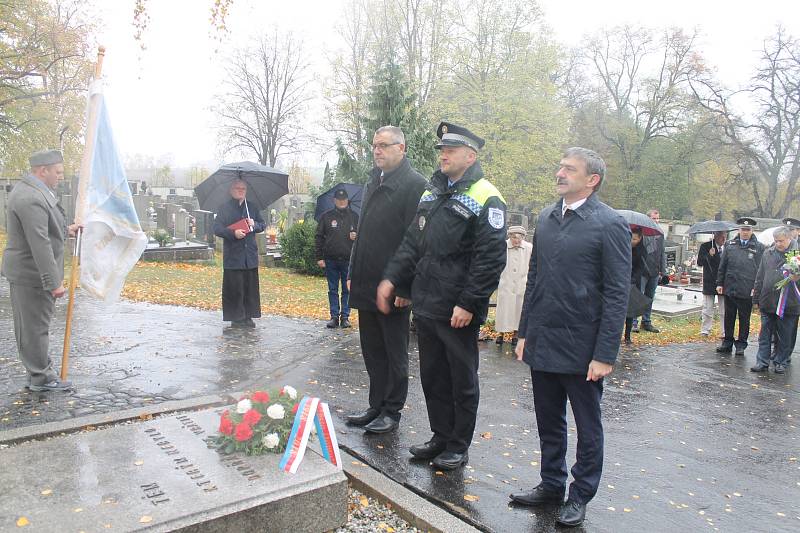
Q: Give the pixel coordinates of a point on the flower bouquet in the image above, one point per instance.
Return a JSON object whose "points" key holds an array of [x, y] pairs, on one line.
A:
{"points": [[790, 268], [260, 423]]}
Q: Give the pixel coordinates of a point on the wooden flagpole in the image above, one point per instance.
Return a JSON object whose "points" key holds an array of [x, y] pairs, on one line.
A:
{"points": [[83, 183]]}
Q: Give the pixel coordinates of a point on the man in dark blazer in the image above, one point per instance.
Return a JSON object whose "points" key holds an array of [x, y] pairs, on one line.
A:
{"points": [[575, 306], [241, 297], [389, 205], [709, 257], [33, 263]]}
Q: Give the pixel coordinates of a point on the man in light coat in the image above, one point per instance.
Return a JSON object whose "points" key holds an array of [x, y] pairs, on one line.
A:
{"points": [[33, 263], [511, 291]]}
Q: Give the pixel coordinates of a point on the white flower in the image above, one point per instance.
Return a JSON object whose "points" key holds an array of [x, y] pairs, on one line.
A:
{"points": [[314, 429], [276, 411], [290, 391], [243, 406], [271, 440]]}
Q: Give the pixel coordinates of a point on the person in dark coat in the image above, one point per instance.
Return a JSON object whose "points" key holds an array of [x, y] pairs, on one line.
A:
{"points": [[452, 256], [389, 205], [655, 267], [709, 257], [576, 300], [735, 280], [775, 322], [638, 259], [336, 233], [241, 299]]}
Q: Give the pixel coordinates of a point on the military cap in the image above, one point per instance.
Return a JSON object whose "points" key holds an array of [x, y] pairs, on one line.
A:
{"points": [[46, 157], [746, 222], [340, 194], [453, 135], [516, 229], [791, 222]]}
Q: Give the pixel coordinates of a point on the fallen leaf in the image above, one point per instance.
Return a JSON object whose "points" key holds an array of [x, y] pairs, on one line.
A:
{"points": [[22, 521], [471, 497], [486, 435], [138, 463], [145, 519], [46, 492], [363, 500]]}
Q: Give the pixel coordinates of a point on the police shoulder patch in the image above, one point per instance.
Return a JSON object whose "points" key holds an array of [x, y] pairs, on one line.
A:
{"points": [[496, 218]]}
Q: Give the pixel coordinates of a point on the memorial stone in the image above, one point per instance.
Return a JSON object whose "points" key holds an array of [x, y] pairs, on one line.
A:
{"points": [[182, 225], [204, 229], [160, 475], [172, 211], [161, 216]]}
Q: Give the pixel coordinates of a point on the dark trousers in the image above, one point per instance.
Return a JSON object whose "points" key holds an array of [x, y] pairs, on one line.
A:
{"points": [[336, 272], [550, 393], [782, 329], [241, 298], [384, 344], [648, 286], [448, 363], [792, 343], [741, 307]]}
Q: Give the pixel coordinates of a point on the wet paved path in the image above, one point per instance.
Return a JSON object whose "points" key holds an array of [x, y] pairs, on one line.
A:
{"points": [[694, 441]]}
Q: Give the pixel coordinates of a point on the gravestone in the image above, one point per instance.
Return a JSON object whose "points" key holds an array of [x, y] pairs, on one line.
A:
{"points": [[141, 203], [161, 217], [160, 475], [667, 304], [204, 229], [182, 225], [172, 211]]}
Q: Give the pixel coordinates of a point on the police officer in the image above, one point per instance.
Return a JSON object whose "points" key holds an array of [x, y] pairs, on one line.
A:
{"points": [[735, 279], [794, 227], [452, 256]]}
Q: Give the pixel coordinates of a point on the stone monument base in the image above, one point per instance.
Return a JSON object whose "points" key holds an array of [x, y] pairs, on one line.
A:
{"points": [[160, 475]]}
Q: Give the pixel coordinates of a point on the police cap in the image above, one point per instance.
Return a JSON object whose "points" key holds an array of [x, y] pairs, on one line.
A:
{"points": [[46, 157], [340, 194], [746, 222], [454, 135], [791, 222]]}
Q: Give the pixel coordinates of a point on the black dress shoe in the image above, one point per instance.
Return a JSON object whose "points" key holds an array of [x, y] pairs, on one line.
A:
{"points": [[363, 418], [429, 450], [650, 328], [759, 368], [514, 341], [382, 424], [249, 323], [346, 323], [499, 339], [538, 496], [239, 324], [739, 352], [724, 349], [450, 460], [332, 323], [571, 514], [628, 340]]}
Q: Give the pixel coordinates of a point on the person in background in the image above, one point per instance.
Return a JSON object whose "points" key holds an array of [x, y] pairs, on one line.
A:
{"points": [[709, 257], [241, 296], [511, 291], [655, 268], [336, 233], [638, 258]]}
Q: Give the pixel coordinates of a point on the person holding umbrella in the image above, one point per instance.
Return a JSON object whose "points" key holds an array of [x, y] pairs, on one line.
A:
{"points": [[336, 232], [709, 258], [237, 223]]}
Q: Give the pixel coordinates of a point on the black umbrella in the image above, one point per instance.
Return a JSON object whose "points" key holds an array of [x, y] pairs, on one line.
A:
{"points": [[264, 185], [325, 200], [641, 221], [711, 226]]}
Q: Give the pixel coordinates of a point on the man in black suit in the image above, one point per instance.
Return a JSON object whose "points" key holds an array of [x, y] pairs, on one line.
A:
{"points": [[709, 257], [575, 305]]}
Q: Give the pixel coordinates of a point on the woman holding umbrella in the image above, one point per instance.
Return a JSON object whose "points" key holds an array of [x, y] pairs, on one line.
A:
{"points": [[638, 258]]}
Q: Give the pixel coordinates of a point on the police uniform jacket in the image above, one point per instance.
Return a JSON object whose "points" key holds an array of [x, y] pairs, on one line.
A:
{"points": [[769, 273], [34, 255], [238, 254], [578, 285], [455, 249], [710, 264], [737, 270], [388, 207], [333, 234]]}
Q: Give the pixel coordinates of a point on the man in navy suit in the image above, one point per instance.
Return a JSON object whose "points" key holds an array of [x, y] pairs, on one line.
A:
{"points": [[575, 305]]}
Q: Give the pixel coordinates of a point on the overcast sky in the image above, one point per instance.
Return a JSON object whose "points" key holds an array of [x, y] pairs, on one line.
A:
{"points": [[160, 97]]}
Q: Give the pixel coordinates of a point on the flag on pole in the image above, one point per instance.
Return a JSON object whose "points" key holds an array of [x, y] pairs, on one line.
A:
{"points": [[113, 240]]}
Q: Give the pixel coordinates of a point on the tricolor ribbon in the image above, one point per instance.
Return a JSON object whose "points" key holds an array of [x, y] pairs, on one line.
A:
{"points": [[783, 297], [311, 411]]}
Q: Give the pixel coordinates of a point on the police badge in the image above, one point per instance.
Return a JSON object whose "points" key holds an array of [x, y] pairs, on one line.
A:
{"points": [[421, 222], [496, 218]]}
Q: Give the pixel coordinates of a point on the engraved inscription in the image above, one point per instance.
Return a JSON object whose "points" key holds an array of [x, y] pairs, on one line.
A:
{"points": [[154, 494], [181, 463]]}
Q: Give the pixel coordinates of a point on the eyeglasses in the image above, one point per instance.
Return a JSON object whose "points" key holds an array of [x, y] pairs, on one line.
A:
{"points": [[382, 146]]}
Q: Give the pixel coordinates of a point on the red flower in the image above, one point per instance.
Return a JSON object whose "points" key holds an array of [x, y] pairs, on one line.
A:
{"points": [[243, 431], [260, 397], [225, 425], [294, 409], [251, 417]]}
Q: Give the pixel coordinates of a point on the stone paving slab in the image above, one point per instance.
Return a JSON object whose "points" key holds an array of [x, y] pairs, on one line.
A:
{"points": [[161, 476]]}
